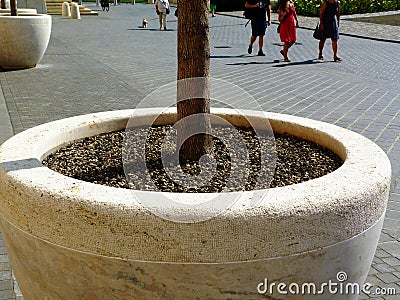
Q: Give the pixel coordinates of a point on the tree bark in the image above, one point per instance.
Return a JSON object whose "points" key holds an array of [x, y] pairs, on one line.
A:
{"points": [[193, 95], [13, 7], [3, 4]]}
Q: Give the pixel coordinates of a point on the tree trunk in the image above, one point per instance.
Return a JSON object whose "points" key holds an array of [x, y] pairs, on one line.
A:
{"points": [[13, 7], [3, 4], [193, 95]]}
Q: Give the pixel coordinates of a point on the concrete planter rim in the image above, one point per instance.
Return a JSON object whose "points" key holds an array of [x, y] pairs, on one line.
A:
{"points": [[346, 197]]}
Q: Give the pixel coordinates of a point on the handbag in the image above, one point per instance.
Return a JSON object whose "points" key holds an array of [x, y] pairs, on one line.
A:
{"points": [[168, 11], [318, 33]]}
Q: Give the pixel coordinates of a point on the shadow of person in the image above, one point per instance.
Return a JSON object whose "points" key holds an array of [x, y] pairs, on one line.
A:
{"points": [[296, 63]]}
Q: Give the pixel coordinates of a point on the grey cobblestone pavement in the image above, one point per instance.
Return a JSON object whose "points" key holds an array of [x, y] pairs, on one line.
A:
{"points": [[108, 63]]}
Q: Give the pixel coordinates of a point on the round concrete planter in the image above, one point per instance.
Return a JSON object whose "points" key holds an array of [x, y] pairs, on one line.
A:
{"points": [[24, 39], [69, 239]]}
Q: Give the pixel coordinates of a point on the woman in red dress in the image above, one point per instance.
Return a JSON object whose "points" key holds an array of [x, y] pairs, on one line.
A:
{"points": [[288, 22]]}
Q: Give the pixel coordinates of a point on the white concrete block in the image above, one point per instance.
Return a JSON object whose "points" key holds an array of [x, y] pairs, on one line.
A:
{"points": [[75, 12], [66, 10]]}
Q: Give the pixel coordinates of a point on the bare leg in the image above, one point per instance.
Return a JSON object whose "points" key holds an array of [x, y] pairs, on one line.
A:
{"points": [[290, 44], [252, 40], [160, 19], [285, 49], [321, 47], [334, 48], [165, 21], [260, 42]]}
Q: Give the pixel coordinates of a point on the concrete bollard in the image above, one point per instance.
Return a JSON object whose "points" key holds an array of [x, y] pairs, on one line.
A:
{"points": [[66, 10], [75, 13]]}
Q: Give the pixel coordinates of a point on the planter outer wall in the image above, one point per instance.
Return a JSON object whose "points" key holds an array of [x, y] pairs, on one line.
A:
{"points": [[300, 233], [23, 40], [39, 5]]}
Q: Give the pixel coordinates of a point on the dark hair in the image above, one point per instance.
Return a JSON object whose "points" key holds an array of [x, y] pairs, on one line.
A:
{"points": [[282, 4]]}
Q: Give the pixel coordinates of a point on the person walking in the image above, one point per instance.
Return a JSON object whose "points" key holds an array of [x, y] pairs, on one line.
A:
{"points": [[213, 7], [260, 10], [329, 18], [162, 9], [288, 22]]}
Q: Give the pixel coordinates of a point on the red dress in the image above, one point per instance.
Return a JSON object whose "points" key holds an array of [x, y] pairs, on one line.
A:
{"points": [[288, 28]]}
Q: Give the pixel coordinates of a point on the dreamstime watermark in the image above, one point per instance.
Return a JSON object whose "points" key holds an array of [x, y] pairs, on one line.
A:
{"points": [[181, 207], [333, 287]]}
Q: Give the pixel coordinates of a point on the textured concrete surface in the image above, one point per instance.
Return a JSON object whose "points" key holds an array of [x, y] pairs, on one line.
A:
{"points": [[26, 48], [109, 63]]}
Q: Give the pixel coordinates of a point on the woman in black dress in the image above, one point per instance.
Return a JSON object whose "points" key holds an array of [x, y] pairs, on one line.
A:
{"points": [[329, 23]]}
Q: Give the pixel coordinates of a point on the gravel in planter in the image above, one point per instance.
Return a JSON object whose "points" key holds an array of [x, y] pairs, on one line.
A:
{"points": [[99, 159]]}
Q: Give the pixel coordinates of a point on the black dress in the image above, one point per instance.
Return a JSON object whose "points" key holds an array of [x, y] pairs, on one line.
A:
{"points": [[329, 19]]}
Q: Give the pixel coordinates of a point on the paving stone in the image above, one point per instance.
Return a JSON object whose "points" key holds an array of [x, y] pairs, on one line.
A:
{"points": [[394, 233], [395, 197], [3, 258], [394, 206], [388, 277], [4, 267], [392, 261], [372, 270], [393, 297], [397, 274], [5, 275], [381, 253], [7, 295], [383, 268], [391, 224], [385, 237], [365, 296], [374, 281], [377, 260], [376, 297], [392, 248], [6, 284]]}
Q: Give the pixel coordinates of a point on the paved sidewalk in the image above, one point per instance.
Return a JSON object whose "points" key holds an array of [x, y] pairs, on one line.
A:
{"points": [[109, 63], [347, 27]]}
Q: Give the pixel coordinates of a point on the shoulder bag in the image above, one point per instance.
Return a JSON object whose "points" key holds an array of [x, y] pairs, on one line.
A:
{"points": [[318, 33]]}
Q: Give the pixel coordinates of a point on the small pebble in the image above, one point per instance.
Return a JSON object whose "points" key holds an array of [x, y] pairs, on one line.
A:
{"points": [[99, 159]]}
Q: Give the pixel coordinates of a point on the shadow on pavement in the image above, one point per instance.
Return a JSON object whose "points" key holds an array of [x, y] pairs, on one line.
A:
{"points": [[228, 56], [149, 29], [297, 63], [3, 70], [227, 25], [252, 63]]}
